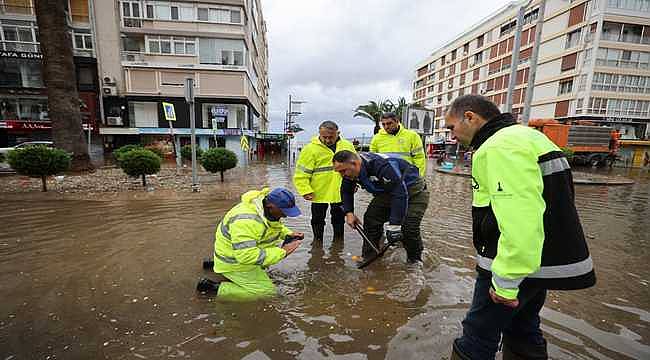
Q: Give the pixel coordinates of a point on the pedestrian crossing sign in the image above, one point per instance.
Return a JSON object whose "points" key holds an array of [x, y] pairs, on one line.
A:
{"points": [[170, 112]]}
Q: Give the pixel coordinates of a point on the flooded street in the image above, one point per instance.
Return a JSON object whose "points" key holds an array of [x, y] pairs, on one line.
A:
{"points": [[115, 279]]}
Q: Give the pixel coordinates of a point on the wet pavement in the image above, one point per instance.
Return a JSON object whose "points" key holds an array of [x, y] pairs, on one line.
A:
{"points": [[114, 278]]}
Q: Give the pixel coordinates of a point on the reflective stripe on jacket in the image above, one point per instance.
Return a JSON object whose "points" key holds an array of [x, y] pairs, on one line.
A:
{"points": [[245, 239], [525, 224], [315, 173], [406, 144]]}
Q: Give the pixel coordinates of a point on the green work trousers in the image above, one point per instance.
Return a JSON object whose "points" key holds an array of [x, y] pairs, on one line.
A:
{"points": [[378, 213], [247, 285]]}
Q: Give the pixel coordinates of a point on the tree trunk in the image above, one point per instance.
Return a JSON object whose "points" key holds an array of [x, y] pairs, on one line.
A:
{"points": [[221, 172], [144, 180], [44, 180], [61, 81], [377, 127]]}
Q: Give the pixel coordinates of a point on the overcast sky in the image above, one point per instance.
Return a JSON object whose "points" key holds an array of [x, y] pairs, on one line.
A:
{"points": [[337, 54]]}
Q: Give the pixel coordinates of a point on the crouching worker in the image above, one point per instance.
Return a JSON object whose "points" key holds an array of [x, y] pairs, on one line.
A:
{"points": [[247, 241]]}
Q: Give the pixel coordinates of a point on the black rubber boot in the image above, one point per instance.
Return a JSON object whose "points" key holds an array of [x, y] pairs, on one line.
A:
{"points": [[318, 231], [206, 285], [514, 349], [208, 263], [339, 231]]}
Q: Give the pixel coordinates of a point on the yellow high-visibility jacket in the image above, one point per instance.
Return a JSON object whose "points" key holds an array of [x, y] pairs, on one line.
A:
{"points": [[406, 144], [245, 239], [315, 173]]}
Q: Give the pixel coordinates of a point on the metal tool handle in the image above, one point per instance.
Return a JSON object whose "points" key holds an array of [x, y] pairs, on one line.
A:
{"points": [[364, 236]]}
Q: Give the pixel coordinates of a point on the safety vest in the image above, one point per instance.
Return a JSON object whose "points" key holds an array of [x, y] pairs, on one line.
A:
{"points": [[525, 223], [246, 239], [315, 173], [406, 144]]}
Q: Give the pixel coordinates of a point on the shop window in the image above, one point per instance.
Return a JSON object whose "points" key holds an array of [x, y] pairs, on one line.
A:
{"points": [[143, 114]]}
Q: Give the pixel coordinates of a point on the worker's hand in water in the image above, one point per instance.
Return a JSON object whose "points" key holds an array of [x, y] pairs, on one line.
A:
{"points": [[309, 197], [501, 300], [352, 220], [297, 235], [291, 247], [393, 233]]}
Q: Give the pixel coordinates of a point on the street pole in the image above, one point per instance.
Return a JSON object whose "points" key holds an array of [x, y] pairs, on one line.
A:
{"points": [[289, 138], [533, 64], [515, 57], [189, 98]]}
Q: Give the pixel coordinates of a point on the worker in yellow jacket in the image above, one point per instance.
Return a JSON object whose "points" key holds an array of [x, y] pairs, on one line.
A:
{"points": [[316, 180], [249, 239], [394, 140]]}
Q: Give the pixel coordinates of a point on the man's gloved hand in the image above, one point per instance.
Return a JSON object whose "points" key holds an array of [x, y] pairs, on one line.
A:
{"points": [[393, 233]]}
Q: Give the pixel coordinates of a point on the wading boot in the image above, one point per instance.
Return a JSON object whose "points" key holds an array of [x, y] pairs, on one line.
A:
{"points": [[521, 350], [208, 263], [456, 354], [318, 231], [206, 285], [339, 230]]}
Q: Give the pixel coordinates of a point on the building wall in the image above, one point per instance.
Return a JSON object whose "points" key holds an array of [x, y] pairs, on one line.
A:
{"points": [[565, 85]]}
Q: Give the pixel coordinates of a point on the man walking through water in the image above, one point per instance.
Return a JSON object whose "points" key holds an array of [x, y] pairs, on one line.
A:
{"points": [[247, 242], [400, 197], [526, 231], [316, 180]]}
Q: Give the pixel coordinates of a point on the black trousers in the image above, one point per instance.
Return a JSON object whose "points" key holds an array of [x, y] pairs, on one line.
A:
{"points": [[319, 212], [378, 213]]}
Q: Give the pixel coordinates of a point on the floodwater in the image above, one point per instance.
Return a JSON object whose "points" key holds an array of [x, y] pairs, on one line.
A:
{"points": [[115, 279]]}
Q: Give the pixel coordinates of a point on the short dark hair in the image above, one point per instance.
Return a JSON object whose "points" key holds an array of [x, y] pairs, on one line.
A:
{"points": [[475, 103], [328, 125], [345, 156], [389, 115]]}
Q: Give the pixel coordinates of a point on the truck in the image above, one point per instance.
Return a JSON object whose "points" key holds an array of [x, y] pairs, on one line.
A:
{"points": [[590, 144]]}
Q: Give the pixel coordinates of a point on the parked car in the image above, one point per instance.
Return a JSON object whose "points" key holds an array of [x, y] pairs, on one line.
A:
{"points": [[26, 144]]}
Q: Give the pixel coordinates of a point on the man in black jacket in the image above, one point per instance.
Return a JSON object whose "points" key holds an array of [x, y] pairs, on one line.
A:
{"points": [[400, 198]]}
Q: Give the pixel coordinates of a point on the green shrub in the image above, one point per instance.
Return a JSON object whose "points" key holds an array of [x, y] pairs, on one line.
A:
{"points": [[2, 157], [118, 153], [186, 152], [568, 153], [39, 161], [140, 162], [156, 150], [218, 160]]}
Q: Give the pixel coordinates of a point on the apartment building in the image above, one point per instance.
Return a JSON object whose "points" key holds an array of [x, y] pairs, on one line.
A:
{"points": [[593, 64], [23, 96], [147, 49]]}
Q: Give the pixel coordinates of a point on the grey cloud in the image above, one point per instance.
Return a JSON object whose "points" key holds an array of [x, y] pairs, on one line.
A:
{"points": [[337, 54]]}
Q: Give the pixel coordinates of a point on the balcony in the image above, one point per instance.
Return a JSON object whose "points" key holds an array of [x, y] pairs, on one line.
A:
{"points": [[132, 56]]}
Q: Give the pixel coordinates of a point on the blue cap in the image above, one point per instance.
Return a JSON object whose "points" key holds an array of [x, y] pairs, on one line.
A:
{"points": [[285, 200]]}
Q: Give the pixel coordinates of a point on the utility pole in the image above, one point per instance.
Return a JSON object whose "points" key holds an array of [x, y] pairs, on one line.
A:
{"points": [[533, 63], [515, 56], [189, 98]]}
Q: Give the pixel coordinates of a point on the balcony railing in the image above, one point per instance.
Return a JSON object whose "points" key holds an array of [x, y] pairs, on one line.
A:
{"points": [[133, 56], [132, 22]]}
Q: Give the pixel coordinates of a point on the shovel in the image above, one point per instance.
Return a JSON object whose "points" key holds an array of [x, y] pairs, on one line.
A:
{"points": [[378, 253]]}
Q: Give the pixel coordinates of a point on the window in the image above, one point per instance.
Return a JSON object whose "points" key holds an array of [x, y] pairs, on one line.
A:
{"points": [[465, 49], [611, 31], [18, 73], [573, 39], [478, 58], [235, 16], [221, 51], [632, 33], [174, 12], [202, 14], [479, 41], [531, 16], [453, 55], [621, 83], [634, 5], [171, 45], [569, 61], [19, 35], [566, 87], [150, 12], [508, 28], [82, 40], [163, 12], [582, 84], [143, 114]]}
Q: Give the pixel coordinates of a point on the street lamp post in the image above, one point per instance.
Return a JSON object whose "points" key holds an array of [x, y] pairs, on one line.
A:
{"points": [[289, 125]]}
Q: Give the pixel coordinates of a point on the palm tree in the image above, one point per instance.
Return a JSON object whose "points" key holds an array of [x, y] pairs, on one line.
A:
{"points": [[373, 110], [61, 81]]}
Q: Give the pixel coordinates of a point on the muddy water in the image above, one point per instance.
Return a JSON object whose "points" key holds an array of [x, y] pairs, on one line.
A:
{"points": [[115, 279]]}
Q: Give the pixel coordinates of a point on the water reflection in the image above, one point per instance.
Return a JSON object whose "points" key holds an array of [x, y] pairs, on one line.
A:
{"points": [[116, 279]]}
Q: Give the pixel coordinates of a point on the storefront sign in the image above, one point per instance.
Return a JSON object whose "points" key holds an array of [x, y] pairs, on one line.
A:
{"points": [[21, 55], [219, 111], [26, 125]]}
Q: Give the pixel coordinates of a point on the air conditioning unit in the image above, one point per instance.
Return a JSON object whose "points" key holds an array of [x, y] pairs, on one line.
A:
{"points": [[108, 80], [109, 90], [114, 120]]}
